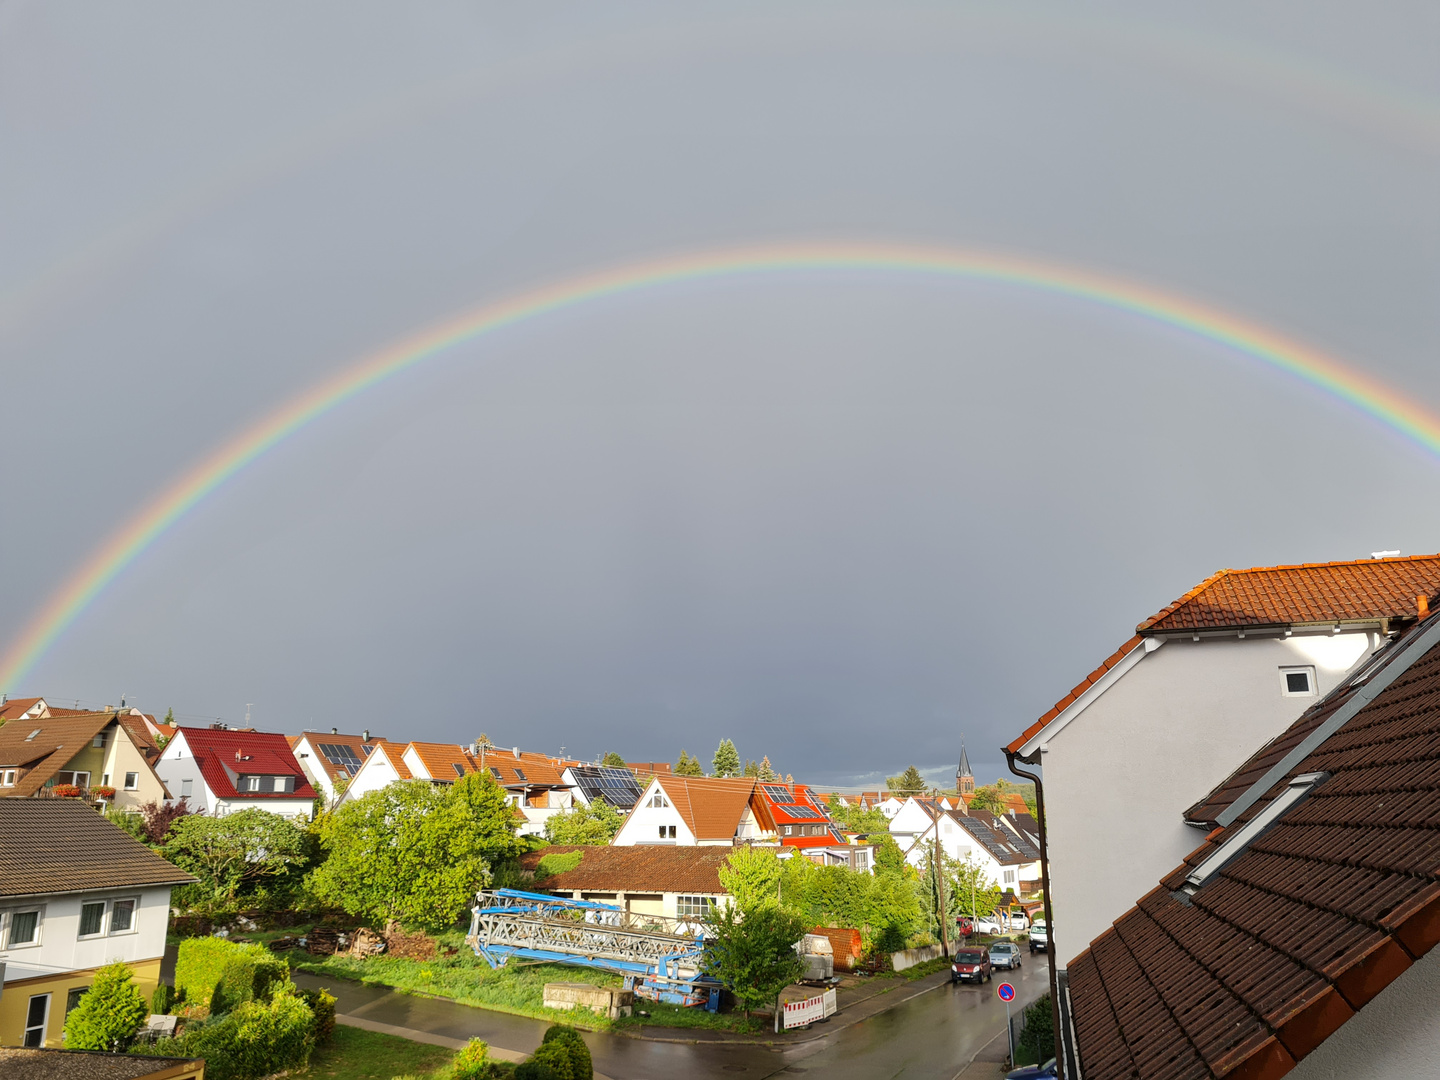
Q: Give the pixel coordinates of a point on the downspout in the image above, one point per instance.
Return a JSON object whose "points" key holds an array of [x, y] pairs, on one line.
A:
{"points": [[1057, 1017]]}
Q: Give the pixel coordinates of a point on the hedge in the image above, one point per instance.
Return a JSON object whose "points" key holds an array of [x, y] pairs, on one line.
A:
{"points": [[255, 1039], [238, 972], [581, 1067]]}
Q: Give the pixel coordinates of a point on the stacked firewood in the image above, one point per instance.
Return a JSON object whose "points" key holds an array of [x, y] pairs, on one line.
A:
{"points": [[408, 946], [366, 942]]}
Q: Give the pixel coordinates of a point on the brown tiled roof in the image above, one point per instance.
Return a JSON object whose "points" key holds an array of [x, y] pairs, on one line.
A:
{"points": [[24, 1063], [16, 707], [538, 769], [62, 845], [330, 768], [1268, 958], [641, 869], [710, 806], [60, 738], [139, 733], [1360, 590]]}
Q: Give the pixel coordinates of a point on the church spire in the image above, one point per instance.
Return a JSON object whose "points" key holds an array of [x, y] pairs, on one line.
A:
{"points": [[964, 778]]}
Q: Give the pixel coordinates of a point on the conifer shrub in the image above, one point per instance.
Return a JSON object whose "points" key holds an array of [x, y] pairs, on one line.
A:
{"points": [[111, 1012], [472, 1062], [162, 999], [257, 1038], [581, 1065], [322, 1004], [556, 1054]]}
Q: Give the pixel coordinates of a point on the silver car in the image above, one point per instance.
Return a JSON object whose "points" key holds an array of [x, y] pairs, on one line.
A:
{"points": [[1005, 954]]}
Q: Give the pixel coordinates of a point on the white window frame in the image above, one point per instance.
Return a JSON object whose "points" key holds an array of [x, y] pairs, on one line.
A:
{"points": [[132, 781], [104, 906], [186, 787], [7, 779], [134, 902], [1009, 877], [657, 801], [7, 927], [44, 1025], [694, 908], [99, 741], [1298, 669]]}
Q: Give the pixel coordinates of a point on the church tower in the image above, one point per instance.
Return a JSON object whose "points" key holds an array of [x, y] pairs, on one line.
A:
{"points": [[964, 778]]}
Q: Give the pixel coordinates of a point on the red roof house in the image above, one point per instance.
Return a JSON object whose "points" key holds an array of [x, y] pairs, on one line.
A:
{"points": [[218, 771]]}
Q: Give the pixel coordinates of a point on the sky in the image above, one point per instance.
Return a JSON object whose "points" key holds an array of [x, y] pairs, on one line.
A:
{"points": [[845, 519]]}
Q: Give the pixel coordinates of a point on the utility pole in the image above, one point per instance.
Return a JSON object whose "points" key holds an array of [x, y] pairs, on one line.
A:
{"points": [[940, 878]]}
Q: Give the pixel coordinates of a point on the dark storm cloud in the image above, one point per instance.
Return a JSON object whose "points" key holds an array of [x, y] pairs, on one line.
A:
{"points": [[842, 520]]}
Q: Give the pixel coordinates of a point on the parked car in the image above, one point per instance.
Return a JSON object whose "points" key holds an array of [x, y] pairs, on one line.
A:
{"points": [[966, 925], [1033, 1072], [1005, 954], [988, 924], [1039, 938], [970, 965]]}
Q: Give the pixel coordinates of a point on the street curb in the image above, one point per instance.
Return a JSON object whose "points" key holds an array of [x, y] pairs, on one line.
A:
{"points": [[431, 1039]]}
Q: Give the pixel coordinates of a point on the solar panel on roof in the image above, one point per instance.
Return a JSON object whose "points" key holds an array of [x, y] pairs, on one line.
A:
{"points": [[616, 786], [800, 813], [340, 754], [777, 793]]}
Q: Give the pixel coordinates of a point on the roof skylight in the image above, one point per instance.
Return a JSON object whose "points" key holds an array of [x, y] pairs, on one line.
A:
{"points": [[1239, 841]]}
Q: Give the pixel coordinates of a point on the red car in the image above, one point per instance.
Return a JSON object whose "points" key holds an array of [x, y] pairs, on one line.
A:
{"points": [[970, 965]]}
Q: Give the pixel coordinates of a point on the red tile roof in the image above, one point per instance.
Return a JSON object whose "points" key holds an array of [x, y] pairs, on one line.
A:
{"points": [[17, 707], [801, 809], [1248, 973], [641, 869], [1361, 590], [711, 807], [262, 753]]}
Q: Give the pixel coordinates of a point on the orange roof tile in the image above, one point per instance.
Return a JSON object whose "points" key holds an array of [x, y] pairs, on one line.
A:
{"points": [[711, 807], [1358, 590], [17, 707]]}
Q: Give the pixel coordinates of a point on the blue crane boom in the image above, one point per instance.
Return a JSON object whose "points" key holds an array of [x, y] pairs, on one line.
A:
{"points": [[661, 959]]}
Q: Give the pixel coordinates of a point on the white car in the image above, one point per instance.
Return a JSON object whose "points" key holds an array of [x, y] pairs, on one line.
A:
{"points": [[988, 924]]}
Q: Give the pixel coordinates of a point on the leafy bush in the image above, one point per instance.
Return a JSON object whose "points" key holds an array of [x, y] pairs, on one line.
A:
{"points": [[249, 858], [472, 1062], [581, 1065], [752, 953], [322, 1004], [111, 1011], [237, 973], [162, 999], [256, 1039], [1039, 1034], [133, 824], [595, 824]]}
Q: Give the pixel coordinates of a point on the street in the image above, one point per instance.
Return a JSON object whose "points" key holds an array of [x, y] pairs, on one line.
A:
{"points": [[930, 1037]]}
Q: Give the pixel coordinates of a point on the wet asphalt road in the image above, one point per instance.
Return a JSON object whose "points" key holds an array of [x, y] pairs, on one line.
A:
{"points": [[930, 1037]]}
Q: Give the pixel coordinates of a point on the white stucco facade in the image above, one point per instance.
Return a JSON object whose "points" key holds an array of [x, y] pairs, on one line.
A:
{"points": [[654, 821], [181, 773], [1166, 724]]}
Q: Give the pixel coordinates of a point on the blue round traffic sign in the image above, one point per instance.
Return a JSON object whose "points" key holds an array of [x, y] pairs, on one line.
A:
{"points": [[1006, 992]]}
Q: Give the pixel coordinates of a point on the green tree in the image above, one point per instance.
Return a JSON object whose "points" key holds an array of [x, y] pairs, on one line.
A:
{"points": [[910, 782], [990, 797], [235, 855], [751, 770], [414, 852], [726, 761], [110, 1012], [613, 759], [753, 953], [688, 766], [595, 824], [858, 819], [767, 771], [975, 893], [170, 716], [752, 875]]}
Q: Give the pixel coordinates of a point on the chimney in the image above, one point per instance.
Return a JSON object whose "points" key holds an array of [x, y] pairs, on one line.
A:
{"points": [[1422, 605], [334, 731], [365, 735], [238, 757], [515, 750]]}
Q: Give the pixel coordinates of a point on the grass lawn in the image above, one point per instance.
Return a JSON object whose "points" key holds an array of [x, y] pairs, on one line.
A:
{"points": [[354, 1054], [515, 988]]}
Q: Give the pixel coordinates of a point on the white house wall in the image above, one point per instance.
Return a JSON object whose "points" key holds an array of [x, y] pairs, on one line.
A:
{"points": [[1120, 775], [60, 947], [176, 765], [643, 824]]}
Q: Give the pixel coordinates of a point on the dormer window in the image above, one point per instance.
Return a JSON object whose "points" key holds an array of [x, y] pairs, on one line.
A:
{"points": [[1297, 681], [459, 769]]}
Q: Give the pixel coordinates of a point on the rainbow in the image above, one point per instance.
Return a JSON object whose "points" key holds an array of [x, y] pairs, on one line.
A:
{"points": [[1266, 346]]}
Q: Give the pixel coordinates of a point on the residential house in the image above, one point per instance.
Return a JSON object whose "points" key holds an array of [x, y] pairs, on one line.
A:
{"points": [[803, 825], [218, 771], [75, 894], [916, 816], [1172, 712], [88, 750], [1004, 857], [664, 882], [610, 784], [331, 760], [1298, 938], [30, 708], [534, 786], [697, 811]]}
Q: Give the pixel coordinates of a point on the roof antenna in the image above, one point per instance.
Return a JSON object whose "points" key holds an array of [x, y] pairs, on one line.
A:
{"points": [[247, 713]]}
